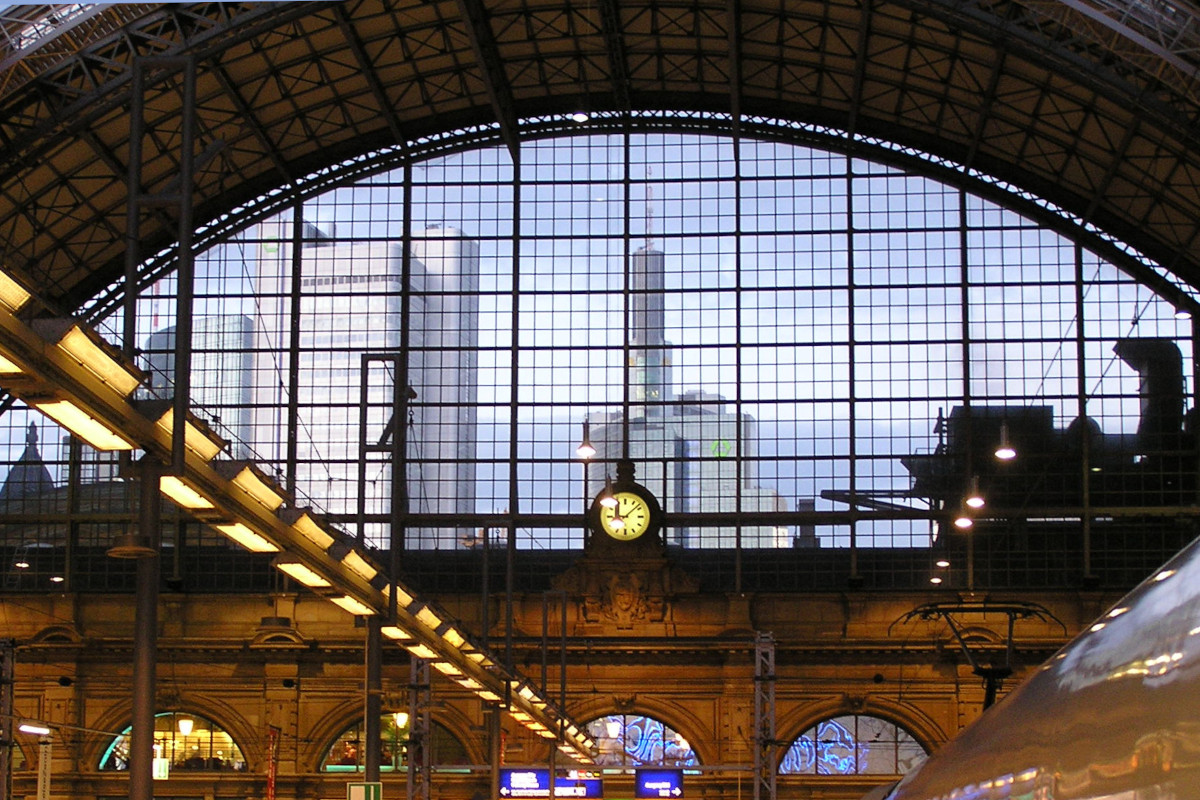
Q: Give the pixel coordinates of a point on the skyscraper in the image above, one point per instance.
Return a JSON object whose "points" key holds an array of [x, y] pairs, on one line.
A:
{"points": [[352, 303], [693, 453], [220, 369]]}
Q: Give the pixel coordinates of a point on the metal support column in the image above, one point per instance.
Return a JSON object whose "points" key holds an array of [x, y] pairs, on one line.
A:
{"points": [[765, 744], [419, 726], [6, 717], [145, 636], [176, 196], [373, 704]]}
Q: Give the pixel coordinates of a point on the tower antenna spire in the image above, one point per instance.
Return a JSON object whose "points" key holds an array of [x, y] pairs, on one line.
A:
{"points": [[649, 209]]}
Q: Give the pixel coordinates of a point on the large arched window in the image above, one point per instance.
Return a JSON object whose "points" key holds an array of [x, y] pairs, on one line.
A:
{"points": [[185, 741], [766, 326], [853, 744], [346, 753], [633, 740]]}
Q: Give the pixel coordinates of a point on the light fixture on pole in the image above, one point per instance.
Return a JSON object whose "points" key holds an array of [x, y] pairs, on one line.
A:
{"points": [[185, 725], [963, 521]]}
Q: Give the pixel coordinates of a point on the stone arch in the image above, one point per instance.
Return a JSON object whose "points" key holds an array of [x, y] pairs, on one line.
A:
{"points": [[57, 635], [249, 740], [326, 730]]}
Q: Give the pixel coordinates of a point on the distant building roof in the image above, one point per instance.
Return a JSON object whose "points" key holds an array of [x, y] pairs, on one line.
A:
{"points": [[29, 476]]}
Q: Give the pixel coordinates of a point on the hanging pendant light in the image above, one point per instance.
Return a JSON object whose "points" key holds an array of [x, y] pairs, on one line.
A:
{"points": [[974, 498], [1005, 452]]}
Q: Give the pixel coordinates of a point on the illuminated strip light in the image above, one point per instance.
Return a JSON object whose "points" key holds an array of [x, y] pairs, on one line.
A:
{"points": [[429, 617], [422, 651], [359, 565], [453, 638], [12, 294], [183, 495], [355, 607], [9, 367], [252, 481], [291, 566], [201, 441], [466, 681], [403, 598], [396, 634], [82, 424], [86, 348], [312, 530], [247, 538], [447, 669]]}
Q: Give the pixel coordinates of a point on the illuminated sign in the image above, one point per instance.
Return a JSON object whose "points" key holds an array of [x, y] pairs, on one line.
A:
{"points": [[535, 783], [656, 783]]}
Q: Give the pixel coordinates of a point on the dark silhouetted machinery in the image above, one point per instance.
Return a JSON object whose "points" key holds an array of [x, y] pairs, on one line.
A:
{"points": [[1064, 472]]}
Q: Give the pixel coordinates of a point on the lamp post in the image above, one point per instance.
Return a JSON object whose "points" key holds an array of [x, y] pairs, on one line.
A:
{"points": [[45, 745], [585, 451]]}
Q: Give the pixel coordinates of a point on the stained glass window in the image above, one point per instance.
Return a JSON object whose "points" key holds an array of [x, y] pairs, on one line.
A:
{"points": [[853, 745], [631, 740]]}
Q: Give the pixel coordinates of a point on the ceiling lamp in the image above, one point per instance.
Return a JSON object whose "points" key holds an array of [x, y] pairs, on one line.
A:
{"points": [[13, 295], [586, 449], [251, 480], [9, 367], [974, 498], [303, 523], [354, 606], [422, 651], [608, 499], [243, 535], [292, 567], [198, 437], [428, 616], [1005, 451], [396, 634], [82, 424], [358, 565], [182, 494], [88, 350]]}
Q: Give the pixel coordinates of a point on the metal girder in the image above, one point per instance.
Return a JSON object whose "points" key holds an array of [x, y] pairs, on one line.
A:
{"points": [[614, 43], [496, 84], [368, 72], [765, 742]]}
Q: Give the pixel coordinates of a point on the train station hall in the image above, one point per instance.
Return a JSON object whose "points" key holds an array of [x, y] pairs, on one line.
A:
{"points": [[587, 399]]}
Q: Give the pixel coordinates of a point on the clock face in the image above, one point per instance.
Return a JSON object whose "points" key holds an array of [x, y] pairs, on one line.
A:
{"points": [[633, 512]]}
